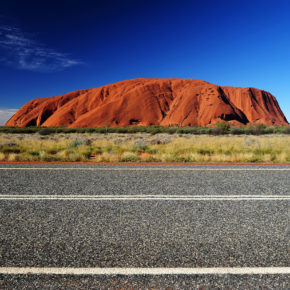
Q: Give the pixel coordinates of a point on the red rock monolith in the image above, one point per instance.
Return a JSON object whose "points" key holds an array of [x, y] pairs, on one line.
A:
{"points": [[144, 102]]}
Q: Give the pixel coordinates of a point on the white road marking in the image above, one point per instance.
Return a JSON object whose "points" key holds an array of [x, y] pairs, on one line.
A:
{"points": [[143, 197], [145, 271], [144, 169]]}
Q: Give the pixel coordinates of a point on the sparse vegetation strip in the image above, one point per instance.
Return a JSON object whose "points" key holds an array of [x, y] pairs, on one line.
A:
{"points": [[220, 129], [144, 147]]}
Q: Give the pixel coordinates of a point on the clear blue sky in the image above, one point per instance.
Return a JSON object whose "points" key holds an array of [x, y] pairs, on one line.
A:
{"points": [[52, 47]]}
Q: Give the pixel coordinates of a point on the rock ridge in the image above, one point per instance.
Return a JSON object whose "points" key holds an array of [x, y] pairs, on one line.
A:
{"points": [[144, 102]]}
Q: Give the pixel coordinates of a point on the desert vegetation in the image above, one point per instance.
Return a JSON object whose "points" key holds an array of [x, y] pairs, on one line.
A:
{"points": [[177, 146], [220, 129]]}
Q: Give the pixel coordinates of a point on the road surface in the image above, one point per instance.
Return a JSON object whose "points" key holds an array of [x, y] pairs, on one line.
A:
{"points": [[121, 226]]}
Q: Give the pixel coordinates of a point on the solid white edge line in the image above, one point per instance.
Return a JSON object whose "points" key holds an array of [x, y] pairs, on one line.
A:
{"points": [[145, 169], [144, 197], [145, 271], [180, 199]]}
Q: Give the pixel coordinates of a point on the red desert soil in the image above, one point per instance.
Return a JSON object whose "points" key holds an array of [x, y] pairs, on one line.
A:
{"points": [[143, 102]]}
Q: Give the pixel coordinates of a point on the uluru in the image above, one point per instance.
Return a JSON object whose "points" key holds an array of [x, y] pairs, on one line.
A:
{"points": [[144, 102]]}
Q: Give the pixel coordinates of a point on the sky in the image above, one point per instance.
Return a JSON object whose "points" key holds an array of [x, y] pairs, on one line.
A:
{"points": [[52, 47]]}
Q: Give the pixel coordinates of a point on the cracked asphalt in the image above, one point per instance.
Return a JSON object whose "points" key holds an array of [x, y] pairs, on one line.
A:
{"points": [[144, 233]]}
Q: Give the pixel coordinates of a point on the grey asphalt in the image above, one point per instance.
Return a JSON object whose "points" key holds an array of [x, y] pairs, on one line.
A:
{"points": [[144, 233], [145, 181]]}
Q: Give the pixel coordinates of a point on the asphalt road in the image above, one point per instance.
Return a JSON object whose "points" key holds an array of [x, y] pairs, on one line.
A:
{"points": [[165, 218]]}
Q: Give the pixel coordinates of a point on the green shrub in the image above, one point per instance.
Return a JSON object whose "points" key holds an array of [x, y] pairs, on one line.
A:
{"points": [[268, 130], [139, 147], [237, 131], [205, 151], [45, 131], [256, 129], [250, 130], [51, 151], [108, 148], [159, 140], [224, 127], [171, 130], [216, 131], [151, 150], [129, 157], [10, 150], [204, 130], [9, 144], [78, 142], [195, 130], [97, 150], [33, 153], [286, 130], [260, 129]]}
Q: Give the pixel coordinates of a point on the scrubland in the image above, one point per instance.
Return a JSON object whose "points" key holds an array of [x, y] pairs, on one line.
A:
{"points": [[144, 147]]}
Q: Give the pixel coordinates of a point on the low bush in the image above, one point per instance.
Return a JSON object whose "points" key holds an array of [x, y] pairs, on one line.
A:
{"points": [[150, 150], [33, 153], [286, 130], [46, 131], [10, 150], [216, 131], [78, 142], [9, 144], [223, 127], [256, 129], [268, 130], [97, 150], [204, 130], [260, 129], [205, 151], [140, 147], [159, 140], [129, 157], [237, 131]]}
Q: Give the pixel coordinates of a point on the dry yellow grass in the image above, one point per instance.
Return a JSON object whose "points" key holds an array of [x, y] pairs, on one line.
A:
{"points": [[145, 148], [2, 156]]}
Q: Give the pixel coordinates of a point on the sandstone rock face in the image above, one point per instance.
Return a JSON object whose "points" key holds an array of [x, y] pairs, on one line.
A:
{"points": [[143, 102]]}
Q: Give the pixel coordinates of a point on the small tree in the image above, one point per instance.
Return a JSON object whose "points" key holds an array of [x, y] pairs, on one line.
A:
{"points": [[107, 125], [224, 127], [260, 129]]}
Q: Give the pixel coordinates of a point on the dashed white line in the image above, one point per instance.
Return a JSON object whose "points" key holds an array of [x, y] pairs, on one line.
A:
{"points": [[144, 197], [145, 271]]}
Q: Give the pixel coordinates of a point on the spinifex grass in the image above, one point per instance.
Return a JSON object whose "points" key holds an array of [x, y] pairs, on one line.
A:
{"points": [[143, 147]]}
